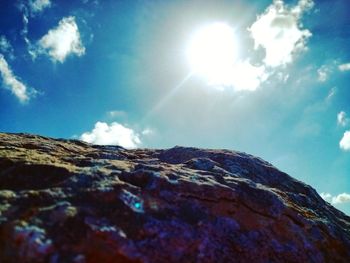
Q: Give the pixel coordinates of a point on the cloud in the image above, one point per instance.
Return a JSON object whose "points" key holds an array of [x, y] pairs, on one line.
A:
{"points": [[29, 9], [341, 198], [11, 81], [31, 48], [338, 199], [279, 32], [113, 134], [323, 73], [344, 67], [62, 41], [331, 94], [344, 143], [241, 76], [37, 6], [116, 114], [147, 132], [33, 7], [4, 44], [342, 120], [248, 77], [6, 47]]}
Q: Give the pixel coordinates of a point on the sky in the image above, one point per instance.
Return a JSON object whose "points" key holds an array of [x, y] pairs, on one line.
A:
{"points": [[270, 78]]}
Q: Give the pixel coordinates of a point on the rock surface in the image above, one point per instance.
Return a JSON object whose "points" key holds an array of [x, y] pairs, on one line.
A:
{"points": [[69, 201]]}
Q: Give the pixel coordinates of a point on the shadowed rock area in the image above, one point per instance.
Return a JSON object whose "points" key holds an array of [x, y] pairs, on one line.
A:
{"points": [[69, 201]]}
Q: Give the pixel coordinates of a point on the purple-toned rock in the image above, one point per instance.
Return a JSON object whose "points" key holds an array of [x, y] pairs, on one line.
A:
{"points": [[69, 201]]}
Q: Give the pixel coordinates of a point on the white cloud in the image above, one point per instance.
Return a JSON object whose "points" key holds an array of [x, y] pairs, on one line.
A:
{"points": [[24, 31], [341, 198], [6, 47], [344, 67], [37, 6], [248, 77], [338, 199], [241, 76], [147, 132], [31, 8], [344, 143], [113, 134], [11, 81], [62, 40], [280, 32], [323, 73], [31, 48], [342, 120]]}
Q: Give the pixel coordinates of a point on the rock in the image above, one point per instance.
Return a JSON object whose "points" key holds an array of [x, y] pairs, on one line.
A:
{"points": [[69, 201]]}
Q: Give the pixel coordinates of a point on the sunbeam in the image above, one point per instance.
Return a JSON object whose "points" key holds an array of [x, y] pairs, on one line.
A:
{"points": [[166, 98]]}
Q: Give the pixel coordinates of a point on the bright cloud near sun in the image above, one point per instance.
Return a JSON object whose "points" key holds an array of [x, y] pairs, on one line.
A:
{"points": [[246, 76], [113, 134], [63, 40], [279, 32], [213, 54], [11, 81], [214, 49]]}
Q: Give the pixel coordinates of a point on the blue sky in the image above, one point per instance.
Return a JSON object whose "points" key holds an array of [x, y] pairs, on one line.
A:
{"points": [[132, 73]]}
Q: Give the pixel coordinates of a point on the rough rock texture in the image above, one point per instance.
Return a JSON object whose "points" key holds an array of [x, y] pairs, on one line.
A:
{"points": [[68, 201]]}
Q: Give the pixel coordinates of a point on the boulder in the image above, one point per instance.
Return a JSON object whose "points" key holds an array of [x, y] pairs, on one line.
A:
{"points": [[69, 201]]}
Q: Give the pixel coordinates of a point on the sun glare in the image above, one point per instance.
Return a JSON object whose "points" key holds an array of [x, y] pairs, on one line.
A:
{"points": [[212, 52]]}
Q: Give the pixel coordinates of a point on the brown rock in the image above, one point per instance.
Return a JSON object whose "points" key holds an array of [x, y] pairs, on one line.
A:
{"points": [[68, 201]]}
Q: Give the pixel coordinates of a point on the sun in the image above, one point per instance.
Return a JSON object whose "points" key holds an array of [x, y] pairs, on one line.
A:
{"points": [[212, 52]]}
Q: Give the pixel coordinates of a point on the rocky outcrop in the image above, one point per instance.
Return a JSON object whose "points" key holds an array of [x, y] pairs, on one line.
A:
{"points": [[69, 201]]}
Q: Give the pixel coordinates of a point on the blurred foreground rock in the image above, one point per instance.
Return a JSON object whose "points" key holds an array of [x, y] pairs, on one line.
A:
{"points": [[68, 201]]}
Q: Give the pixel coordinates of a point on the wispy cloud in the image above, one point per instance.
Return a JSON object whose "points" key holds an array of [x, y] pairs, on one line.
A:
{"points": [[19, 89], [344, 143], [323, 73], [331, 94], [62, 41], [6, 47], [337, 199], [280, 33], [147, 132], [344, 67], [38, 6], [342, 120], [112, 134], [116, 114], [31, 8]]}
